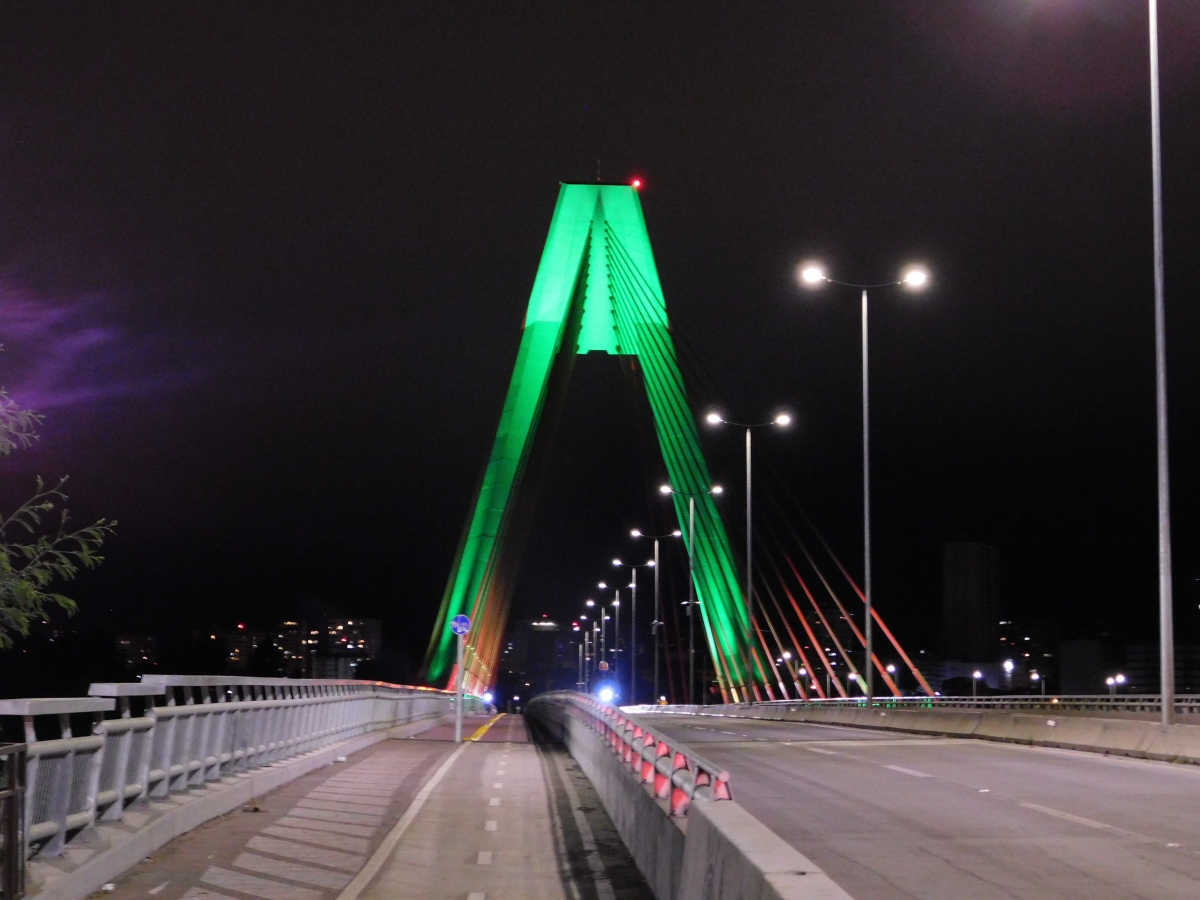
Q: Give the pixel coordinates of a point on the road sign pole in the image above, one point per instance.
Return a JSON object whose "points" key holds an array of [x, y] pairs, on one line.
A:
{"points": [[458, 702]]}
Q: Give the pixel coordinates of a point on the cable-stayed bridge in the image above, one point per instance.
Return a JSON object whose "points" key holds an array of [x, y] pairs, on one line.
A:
{"points": [[597, 290]]}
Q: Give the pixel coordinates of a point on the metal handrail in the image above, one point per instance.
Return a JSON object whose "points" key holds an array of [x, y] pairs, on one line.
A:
{"points": [[675, 772], [210, 727], [12, 820]]}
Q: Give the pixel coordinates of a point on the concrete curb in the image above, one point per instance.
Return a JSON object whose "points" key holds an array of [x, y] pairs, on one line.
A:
{"points": [[1124, 737], [718, 852], [197, 807]]}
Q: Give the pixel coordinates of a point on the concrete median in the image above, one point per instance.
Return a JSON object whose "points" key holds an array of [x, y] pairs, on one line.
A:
{"points": [[1147, 740], [718, 852]]}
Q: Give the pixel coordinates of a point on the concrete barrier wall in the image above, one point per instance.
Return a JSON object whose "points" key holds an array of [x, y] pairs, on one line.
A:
{"points": [[1149, 740], [718, 852]]}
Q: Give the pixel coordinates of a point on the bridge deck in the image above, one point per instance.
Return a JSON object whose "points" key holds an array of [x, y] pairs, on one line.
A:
{"points": [[497, 821], [891, 816]]}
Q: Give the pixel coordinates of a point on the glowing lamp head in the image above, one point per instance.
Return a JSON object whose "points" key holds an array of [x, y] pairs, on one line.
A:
{"points": [[915, 278], [665, 489], [783, 420], [1120, 679], [635, 533], [617, 562], [487, 697], [1009, 666], [1110, 681], [717, 489], [812, 275], [650, 563], [713, 418], [603, 585], [676, 533], [1034, 676], [787, 654], [591, 603], [891, 669], [976, 674], [606, 695]]}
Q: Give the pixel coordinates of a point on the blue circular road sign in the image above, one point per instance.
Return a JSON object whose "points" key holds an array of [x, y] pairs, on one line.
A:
{"points": [[460, 624]]}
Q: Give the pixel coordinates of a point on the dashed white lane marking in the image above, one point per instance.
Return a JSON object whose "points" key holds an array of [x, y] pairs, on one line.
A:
{"points": [[489, 825], [265, 865], [495, 801], [912, 772], [256, 887], [498, 785], [1078, 820], [476, 895], [484, 858], [822, 752], [156, 890]]}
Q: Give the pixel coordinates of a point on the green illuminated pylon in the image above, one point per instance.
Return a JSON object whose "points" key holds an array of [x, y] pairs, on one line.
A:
{"points": [[596, 289]]}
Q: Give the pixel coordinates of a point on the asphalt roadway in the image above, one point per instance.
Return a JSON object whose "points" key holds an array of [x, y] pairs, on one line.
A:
{"points": [[892, 816]]}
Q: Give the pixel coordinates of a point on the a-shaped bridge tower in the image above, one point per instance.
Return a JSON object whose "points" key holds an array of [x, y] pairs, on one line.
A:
{"points": [[596, 289]]}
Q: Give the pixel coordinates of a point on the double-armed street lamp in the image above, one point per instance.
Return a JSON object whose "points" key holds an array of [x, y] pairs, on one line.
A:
{"points": [[782, 420], [633, 621], [657, 623], [913, 278], [666, 490]]}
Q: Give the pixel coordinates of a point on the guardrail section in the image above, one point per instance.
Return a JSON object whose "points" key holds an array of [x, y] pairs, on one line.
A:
{"points": [[675, 773]]}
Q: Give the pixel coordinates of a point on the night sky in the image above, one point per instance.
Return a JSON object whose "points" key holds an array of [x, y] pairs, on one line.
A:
{"points": [[264, 268]]}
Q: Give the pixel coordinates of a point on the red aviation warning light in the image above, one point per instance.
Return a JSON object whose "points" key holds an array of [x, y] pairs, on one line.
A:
{"points": [[636, 183]]}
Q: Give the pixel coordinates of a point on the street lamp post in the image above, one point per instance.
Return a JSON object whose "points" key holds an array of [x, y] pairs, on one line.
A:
{"points": [[1166, 616], [633, 619], [782, 421], [975, 676], [657, 623], [715, 489], [913, 278], [616, 605]]}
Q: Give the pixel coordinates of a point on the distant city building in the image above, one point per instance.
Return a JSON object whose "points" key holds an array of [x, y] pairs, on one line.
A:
{"points": [[137, 649], [338, 647], [1141, 669], [1081, 666], [970, 597], [239, 644]]}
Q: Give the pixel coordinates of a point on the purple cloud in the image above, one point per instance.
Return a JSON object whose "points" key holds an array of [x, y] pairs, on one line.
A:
{"points": [[60, 353]]}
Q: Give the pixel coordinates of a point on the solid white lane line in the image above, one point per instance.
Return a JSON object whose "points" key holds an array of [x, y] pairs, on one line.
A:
{"points": [[379, 857], [912, 772]]}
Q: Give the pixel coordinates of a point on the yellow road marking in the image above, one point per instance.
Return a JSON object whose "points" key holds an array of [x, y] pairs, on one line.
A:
{"points": [[482, 729]]}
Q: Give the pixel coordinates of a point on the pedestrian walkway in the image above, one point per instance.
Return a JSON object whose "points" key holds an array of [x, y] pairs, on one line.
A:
{"points": [[421, 818]]}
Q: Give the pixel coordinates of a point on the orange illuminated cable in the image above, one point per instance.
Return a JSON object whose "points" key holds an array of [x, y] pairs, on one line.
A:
{"points": [[821, 615], [850, 621], [795, 643]]}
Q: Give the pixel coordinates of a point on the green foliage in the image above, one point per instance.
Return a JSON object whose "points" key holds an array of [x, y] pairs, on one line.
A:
{"points": [[38, 547]]}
